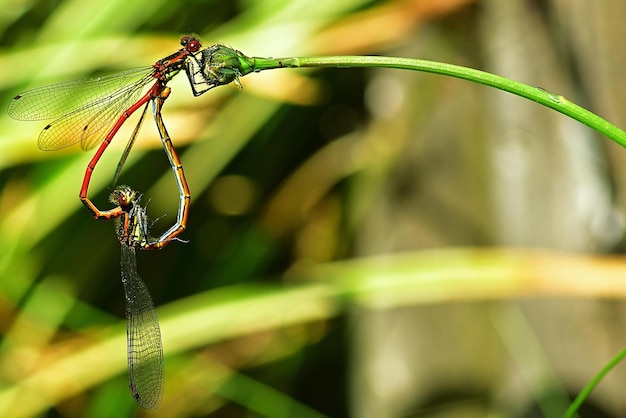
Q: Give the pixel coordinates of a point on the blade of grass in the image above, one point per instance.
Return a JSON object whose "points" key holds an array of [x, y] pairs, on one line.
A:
{"points": [[434, 276], [584, 394]]}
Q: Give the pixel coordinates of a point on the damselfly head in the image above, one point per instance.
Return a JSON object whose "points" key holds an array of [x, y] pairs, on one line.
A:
{"points": [[190, 42], [123, 196]]}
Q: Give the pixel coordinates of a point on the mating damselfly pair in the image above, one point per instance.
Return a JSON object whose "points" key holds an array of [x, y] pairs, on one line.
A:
{"points": [[91, 112]]}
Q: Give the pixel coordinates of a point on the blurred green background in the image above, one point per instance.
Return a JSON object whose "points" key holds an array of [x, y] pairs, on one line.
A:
{"points": [[363, 243]]}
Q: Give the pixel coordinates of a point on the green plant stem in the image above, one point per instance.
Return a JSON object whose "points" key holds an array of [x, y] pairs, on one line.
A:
{"points": [[584, 394], [536, 94]]}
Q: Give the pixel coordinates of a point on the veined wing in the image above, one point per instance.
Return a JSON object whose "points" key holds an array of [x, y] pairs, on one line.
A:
{"points": [[56, 100], [145, 349], [83, 108], [85, 123]]}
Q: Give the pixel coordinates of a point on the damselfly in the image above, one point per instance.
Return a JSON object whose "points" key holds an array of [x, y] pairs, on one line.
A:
{"points": [[143, 335], [91, 111]]}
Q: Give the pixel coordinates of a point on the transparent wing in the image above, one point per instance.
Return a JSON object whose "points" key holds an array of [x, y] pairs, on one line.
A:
{"points": [[83, 108], [56, 100], [145, 350], [83, 124]]}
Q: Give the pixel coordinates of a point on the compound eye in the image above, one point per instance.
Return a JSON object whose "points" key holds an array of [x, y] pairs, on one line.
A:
{"points": [[193, 45], [123, 199]]}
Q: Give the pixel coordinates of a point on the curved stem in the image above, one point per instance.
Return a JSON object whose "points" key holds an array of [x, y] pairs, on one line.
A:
{"points": [[537, 94]]}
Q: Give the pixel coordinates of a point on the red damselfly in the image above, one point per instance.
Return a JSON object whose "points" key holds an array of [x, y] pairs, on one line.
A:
{"points": [[91, 111]]}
